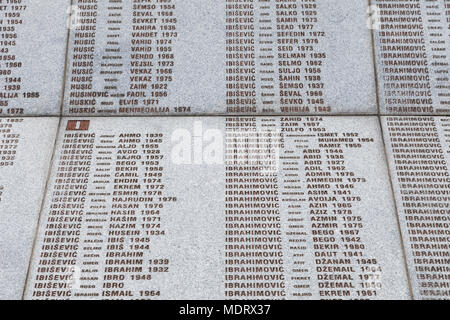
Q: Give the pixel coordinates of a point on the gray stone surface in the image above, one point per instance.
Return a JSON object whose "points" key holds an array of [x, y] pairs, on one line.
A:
{"points": [[221, 57], [419, 156], [33, 38], [26, 147], [412, 52], [211, 208]]}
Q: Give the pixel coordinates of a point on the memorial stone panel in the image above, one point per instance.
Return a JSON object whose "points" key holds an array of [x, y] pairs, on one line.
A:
{"points": [[220, 57], [33, 40], [413, 53], [419, 155], [219, 208], [26, 147]]}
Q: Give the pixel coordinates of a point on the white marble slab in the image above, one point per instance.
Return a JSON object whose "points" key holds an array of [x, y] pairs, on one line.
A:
{"points": [[419, 157], [221, 57], [26, 147], [219, 208], [412, 52], [33, 41]]}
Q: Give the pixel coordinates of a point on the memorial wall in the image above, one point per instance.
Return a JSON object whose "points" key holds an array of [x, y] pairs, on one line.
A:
{"points": [[236, 149], [228, 57]]}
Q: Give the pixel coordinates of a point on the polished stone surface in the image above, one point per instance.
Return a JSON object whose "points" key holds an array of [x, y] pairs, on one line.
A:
{"points": [[33, 39], [26, 147], [334, 186], [214, 208], [412, 52], [419, 154], [197, 57]]}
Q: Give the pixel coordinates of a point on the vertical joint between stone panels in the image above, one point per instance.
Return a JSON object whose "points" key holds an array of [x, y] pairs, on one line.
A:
{"points": [[374, 60], [66, 61], [41, 209], [397, 213]]}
